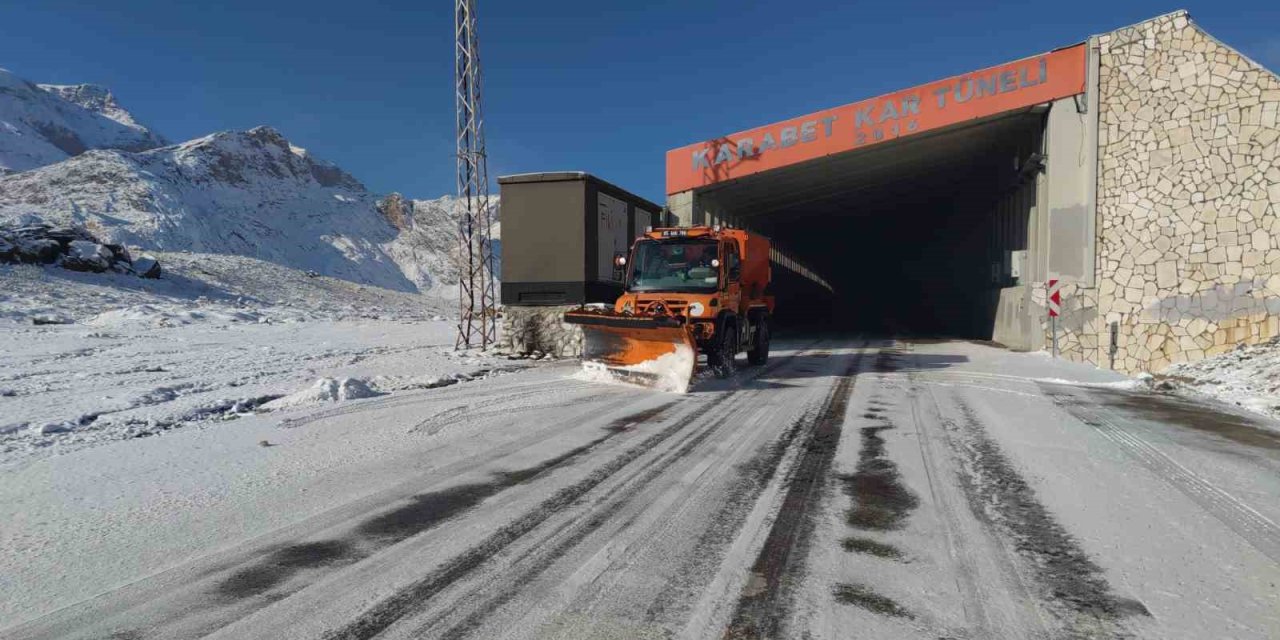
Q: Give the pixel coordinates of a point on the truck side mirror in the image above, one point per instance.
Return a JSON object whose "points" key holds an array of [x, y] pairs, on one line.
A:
{"points": [[620, 260]]}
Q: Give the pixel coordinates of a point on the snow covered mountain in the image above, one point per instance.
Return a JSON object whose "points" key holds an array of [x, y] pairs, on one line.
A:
{"points": [[99, 100], [426, 247], [247, 196], [40, 125], [247, 193]]}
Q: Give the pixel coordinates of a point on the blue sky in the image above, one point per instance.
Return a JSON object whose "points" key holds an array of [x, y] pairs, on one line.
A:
{"points": [[605, 87]]}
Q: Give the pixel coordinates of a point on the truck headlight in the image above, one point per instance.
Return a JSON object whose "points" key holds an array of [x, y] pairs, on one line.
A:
{"points": [[626, 307], [696, 309]]}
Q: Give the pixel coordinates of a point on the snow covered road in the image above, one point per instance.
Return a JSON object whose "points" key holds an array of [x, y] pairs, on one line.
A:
{"points": [[852, 488]]}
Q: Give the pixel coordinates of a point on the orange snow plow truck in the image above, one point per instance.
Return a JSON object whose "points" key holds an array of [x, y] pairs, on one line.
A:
{"points": [[687, 290]]}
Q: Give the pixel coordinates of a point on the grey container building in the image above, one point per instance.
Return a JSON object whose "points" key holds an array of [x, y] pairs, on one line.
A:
{"points": [[561, 231]]}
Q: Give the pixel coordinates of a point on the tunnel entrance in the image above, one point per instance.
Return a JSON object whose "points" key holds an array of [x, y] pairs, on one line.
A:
{"points": [[915, 236]]}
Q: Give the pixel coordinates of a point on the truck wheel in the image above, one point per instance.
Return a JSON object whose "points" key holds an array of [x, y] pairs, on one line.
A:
{"points": [[759, 353], [726, 353]]}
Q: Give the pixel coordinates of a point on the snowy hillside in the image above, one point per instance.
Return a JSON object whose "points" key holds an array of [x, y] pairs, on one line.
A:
{"points": [[242, 217], [250, 194], [426, 247], [43, 125]]}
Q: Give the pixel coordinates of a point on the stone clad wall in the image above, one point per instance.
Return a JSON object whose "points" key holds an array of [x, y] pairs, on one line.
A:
{"points": [[530, 329], [1188, 201]]}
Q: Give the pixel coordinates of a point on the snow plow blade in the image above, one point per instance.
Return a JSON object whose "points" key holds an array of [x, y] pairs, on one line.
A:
{"points": [[650, 351]]}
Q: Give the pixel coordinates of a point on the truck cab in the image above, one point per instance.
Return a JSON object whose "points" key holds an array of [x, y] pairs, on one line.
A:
{"points": [[713, 278]]}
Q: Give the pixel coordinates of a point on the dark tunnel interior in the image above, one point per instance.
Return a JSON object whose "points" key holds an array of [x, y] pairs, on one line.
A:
{"points": [[911, 234]]}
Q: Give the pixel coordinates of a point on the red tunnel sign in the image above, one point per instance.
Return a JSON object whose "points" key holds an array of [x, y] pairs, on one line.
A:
{"points": [[1015, 85]]}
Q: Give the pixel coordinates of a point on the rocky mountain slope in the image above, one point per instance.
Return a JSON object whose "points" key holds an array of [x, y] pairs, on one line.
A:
{"points": [[40, 125], [100, 100], [247, 195], [426, 246]]}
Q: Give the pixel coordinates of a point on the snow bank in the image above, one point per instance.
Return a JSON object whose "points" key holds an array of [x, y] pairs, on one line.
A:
{"points": [[171, 315], [668, 372], [1141, 382], [325, 390], [1248, 376]]}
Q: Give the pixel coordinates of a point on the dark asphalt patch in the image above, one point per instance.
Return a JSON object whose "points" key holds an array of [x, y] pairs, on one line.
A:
{"points": [[281, 564], [764, 603], [887, 357], [999, 497], [862, 596], [871, 547], [426, 511], [627, 423], [1191, 415], [880, 501], [421, 513]]}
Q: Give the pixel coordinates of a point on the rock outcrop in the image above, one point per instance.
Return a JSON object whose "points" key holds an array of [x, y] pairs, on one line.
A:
{"points": [[71, 248], [41, 125]]}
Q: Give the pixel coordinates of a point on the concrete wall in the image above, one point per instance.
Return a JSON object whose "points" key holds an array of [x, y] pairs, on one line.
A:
{"points": [[1071, 148], [695, 208], [1061, 225], [1020, 223], [1017, 221], [1188, 256], [680, 209], [1017, 321]]}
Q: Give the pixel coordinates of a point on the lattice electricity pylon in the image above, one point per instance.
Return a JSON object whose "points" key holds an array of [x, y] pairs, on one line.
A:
{"points": [[477, 320]]}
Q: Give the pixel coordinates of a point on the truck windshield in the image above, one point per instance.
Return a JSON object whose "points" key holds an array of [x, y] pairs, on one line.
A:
{"points": [[677, 264]]}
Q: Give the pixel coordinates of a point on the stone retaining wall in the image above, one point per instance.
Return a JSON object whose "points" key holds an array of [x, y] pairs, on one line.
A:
{"points": [[1188, 201], [530, 329]]}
